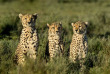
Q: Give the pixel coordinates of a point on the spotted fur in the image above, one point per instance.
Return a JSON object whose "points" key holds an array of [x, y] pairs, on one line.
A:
{"points": [[28, 44], [79, 45], [55, 40]]}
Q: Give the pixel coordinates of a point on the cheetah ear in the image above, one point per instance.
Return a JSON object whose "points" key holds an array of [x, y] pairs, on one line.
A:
{"points": [[60, 23], [20, 15], [86, 23], [48, 25], [35, 15], [72, 24]]}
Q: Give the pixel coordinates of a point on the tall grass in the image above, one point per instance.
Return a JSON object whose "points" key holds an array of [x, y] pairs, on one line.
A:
{"points": [[95, 12]]}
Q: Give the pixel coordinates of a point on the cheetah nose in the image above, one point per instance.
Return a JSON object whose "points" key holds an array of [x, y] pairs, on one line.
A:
{"points": [[76, 30], [29, 22], [57, 31]]}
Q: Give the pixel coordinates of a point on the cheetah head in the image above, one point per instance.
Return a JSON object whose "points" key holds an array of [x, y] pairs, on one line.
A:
{"points": [[79, 27], [28, 20], [55, 28]]}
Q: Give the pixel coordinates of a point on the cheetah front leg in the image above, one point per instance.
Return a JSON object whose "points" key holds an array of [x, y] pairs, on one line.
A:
{"points": [[20, 56], [31, 54], [73, 53], [83, 57], [85, 49]]}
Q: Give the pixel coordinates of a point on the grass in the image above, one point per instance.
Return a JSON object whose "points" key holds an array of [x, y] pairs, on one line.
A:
{"points": [[95, 12]]}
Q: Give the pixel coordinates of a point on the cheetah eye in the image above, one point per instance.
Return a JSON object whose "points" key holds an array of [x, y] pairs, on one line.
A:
{"points": [[79, 26], [25, 18], [58, 28]]}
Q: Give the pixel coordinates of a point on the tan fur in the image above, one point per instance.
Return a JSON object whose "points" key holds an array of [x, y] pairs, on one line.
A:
{"points": [[55, 40], [79, 45], [28, 44]]}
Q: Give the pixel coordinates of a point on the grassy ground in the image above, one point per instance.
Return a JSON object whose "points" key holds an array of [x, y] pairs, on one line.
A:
{"points": [[96, 12]]}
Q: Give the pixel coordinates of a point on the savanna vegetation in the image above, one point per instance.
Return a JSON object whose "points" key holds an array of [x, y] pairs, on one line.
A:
{"points": [[96, 12]]}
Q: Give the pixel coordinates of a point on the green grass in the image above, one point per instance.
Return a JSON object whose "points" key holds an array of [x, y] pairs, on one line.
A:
{"points": [[95, 12]]}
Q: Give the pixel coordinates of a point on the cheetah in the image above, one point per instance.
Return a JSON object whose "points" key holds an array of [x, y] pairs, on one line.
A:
{"points": [[79, 44], [55, 41], [28, 44]]}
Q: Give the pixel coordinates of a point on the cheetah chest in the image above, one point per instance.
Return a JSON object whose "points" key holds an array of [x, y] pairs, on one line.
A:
{"points": [[54, 44], [78, 41], [29, 40], [77, 45]]}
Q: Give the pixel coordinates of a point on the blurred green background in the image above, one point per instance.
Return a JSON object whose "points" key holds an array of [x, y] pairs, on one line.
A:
{"points": [[96, 12]]}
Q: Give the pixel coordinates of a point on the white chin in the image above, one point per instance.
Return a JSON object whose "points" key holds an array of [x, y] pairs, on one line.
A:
{"points": [[77, 32], [57, 33]]}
